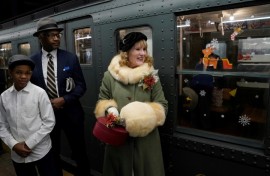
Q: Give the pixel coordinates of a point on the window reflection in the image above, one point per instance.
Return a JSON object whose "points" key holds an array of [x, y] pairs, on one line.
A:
{"points": [[5, 53], [24, 48], [83, 45], [223, 71]]}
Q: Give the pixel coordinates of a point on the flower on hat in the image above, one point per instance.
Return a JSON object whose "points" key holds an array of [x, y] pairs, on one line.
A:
{"points": [[112, 121], [149, 80]]}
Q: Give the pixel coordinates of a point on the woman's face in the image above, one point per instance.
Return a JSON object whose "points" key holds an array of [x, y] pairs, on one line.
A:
{"points": [[137, 54]]}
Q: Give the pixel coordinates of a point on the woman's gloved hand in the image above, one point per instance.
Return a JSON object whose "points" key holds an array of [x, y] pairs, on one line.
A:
{"points": [[113, 110]]}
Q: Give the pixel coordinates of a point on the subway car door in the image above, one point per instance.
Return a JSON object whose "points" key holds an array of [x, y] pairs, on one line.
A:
{"points": [[79, 41]]}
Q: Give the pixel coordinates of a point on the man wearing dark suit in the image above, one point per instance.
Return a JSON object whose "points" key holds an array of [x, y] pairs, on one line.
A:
{"points": [[69, 85]]}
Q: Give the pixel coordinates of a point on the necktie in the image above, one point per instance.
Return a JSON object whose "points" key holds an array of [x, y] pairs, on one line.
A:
{"points": [[51, 77]]}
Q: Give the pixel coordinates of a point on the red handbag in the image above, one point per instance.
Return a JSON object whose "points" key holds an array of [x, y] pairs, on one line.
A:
{"points": [[116, 135]]}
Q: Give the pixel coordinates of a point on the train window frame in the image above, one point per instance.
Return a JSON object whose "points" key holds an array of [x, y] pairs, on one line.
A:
{"points": [[236, 34]]}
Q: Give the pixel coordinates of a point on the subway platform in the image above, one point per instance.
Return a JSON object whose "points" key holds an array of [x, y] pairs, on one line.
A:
{"points": [[6, 167]]}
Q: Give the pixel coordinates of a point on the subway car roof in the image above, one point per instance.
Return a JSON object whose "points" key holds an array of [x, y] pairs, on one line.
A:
{"points": [[19, 8]]}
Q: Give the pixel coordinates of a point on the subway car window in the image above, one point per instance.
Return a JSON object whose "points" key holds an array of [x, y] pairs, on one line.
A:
{"points": [[145, 30], [83, 45], [224, 64], [5, 53], [24, 48]]}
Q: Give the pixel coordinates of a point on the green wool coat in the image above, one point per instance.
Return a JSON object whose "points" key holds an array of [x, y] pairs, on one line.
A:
{"points": [[142, 155]]}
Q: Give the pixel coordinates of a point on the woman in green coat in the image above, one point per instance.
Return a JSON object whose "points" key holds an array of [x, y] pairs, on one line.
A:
{"points": [[132, 87]]}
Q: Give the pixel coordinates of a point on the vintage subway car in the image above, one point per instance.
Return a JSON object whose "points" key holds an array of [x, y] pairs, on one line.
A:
{"points": [[213, 58]]}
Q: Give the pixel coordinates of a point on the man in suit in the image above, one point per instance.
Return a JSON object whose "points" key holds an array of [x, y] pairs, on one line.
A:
{"points": [[69, 86]]}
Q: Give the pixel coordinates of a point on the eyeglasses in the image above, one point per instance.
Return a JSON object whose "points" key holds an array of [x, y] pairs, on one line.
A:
{"points": [[54, 35]]}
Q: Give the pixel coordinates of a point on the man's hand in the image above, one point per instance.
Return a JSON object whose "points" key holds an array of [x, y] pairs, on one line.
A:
{"points": [[58, 103]]}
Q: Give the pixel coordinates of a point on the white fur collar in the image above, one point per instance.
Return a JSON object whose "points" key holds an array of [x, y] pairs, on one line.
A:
{"points": [[128, 75]]}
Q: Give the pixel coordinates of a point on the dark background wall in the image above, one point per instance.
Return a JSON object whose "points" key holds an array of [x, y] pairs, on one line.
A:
{"points": [[10, 9]]}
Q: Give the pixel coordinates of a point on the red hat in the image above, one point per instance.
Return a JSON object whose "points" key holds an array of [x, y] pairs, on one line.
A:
{"points": [[114, 136]]}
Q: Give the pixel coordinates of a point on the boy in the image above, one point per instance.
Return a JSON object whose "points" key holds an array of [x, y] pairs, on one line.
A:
{"points": [[26, 120]]}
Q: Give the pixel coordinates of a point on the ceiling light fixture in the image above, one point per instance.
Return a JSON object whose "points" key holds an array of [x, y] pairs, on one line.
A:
{"points": [[248, 19], [82, 38], [186, 24], [231, 18]]}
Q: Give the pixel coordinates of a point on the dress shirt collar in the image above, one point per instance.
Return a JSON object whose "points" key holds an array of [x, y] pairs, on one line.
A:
{"points": [[25, 89], [53, 53]]}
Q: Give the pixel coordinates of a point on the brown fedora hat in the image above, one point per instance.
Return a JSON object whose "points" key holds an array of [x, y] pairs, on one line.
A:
{"points": [[45, 24]]}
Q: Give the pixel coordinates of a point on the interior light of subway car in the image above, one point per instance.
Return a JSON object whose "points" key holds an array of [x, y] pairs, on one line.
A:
{"points": [[185, 24], [231, 17], [85, 37], [247, 19]]}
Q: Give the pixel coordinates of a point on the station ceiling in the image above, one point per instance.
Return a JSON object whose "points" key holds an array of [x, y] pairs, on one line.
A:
{"points": [[10, 9]]}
